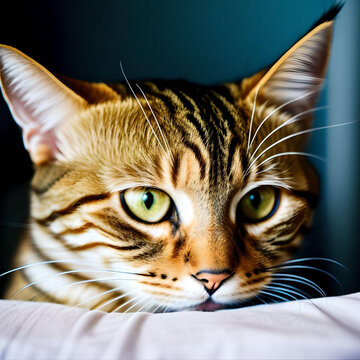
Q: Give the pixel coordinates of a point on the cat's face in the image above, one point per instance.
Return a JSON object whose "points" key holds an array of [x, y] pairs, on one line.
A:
{"points": [[186, 194]]}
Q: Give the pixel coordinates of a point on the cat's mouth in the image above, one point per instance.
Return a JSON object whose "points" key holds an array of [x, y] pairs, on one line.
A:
{"points": [[209, 305]]}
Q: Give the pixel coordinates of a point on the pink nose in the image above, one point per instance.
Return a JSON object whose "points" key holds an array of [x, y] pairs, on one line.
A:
{"points": [[211, 279]]}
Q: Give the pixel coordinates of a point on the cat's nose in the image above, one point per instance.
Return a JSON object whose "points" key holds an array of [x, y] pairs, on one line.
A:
{"points": [[212, 279]]}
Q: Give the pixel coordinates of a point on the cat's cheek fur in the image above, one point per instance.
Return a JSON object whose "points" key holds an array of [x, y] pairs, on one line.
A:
{"points": [[185, 207]]}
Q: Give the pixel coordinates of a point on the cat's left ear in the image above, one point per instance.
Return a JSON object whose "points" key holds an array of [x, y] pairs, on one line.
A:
{"points": [[296, 78], [38, 101]]}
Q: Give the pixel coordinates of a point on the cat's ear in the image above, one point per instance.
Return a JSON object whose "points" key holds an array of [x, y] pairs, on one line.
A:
{"points": [[38, 101], [296, 78]]}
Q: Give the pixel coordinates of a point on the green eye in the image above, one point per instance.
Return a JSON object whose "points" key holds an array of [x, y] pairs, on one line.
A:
{"points": [[258, 204], [146, 204]]}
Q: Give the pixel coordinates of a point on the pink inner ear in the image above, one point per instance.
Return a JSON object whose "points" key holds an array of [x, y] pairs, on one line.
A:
{"points": [[33, 133], [42, 146], [297, 77], [39, 102]]}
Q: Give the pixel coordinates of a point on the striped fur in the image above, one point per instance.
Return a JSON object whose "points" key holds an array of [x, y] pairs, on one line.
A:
{"points": [[205, 146]]}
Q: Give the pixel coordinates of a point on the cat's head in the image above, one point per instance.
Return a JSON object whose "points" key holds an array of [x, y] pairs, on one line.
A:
{"points": [[193, 191]]}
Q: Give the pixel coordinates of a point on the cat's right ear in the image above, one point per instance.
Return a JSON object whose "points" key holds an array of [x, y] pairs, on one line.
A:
{"points": [[38, 101], [295, 80]]}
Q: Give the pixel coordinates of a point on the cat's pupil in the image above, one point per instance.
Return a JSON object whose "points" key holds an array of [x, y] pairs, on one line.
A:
{"points": [[255, 199], [148, 199]]}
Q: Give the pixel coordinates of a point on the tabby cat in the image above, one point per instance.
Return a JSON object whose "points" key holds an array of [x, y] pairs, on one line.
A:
{"points": [[165, 195]]}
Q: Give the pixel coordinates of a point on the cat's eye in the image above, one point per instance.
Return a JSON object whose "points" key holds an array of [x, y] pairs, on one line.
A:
{"points": [[147, 204], [258, 204]]}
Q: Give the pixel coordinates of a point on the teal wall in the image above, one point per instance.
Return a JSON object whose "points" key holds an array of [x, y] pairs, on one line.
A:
{"points": [[342, 190], [204, 40]]}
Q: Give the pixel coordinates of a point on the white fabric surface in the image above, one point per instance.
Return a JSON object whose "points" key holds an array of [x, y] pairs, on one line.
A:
{"points": [[293, 330]]}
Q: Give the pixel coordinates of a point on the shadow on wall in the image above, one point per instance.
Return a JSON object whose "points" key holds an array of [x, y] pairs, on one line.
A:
{"points": [[341, 193]]}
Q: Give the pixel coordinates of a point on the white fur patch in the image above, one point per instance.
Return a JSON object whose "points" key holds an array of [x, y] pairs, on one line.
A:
{"points": [[184, 206]]}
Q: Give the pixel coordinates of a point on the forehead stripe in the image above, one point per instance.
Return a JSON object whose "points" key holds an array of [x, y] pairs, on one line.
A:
{"points": [[175, 169], [200, 126], [231, 152], [197, 152]]}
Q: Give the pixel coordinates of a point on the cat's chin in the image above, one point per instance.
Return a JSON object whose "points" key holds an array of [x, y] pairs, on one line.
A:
{"points": [[209, 305]]}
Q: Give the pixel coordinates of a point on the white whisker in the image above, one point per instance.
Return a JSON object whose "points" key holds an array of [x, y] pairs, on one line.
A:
{"points": [[286, 291], [147, 304], [311, 268], [52, 262], [252, 119], [101, 294], [156, 308], [75, 283], [301, 280], [298, 134], [275, 176], [60, 274], [308, 93], [273, 295], [299, 294], [126, 303], [142, 109], [268, 182], [270, 168], [156, 120], [137, 303], [298, 153], [293, 119], [314, 259], [115, 299], [258, 297], [290, 287]]}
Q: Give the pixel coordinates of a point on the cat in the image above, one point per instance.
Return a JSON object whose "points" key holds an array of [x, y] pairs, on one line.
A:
{"points": [[165, 195]]}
